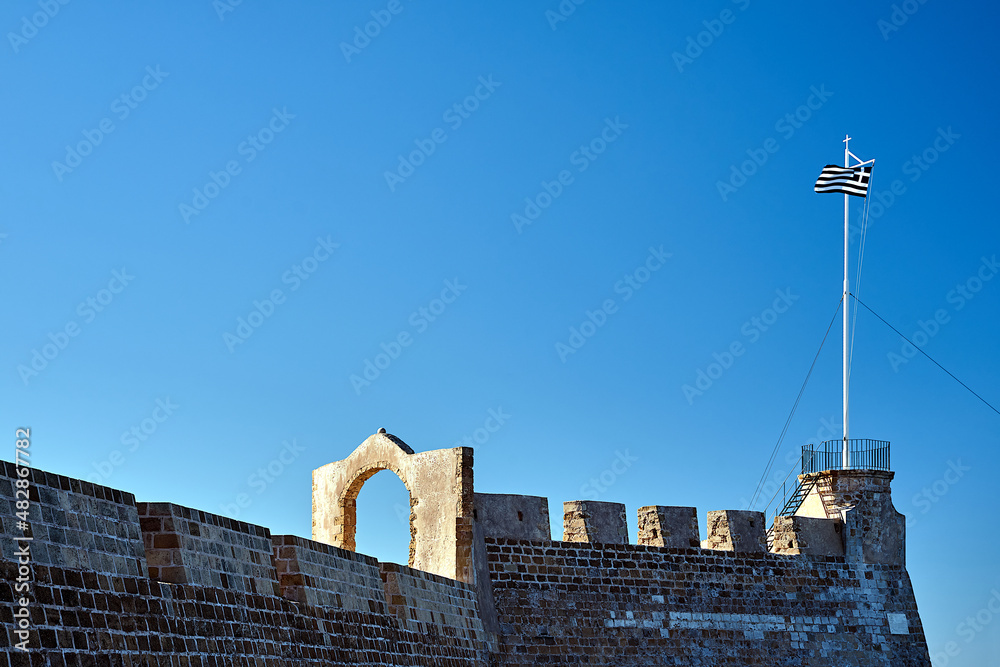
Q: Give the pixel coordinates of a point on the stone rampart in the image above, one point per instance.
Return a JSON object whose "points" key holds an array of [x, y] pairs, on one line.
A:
{"points": [[115, 582], [622, 604]]}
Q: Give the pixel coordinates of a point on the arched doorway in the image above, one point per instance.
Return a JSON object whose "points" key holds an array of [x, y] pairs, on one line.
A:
{"points": [[440, 487], [383, 517]]}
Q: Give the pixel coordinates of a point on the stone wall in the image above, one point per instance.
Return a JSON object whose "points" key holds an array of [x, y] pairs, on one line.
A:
{"points": [[320, 575], [874, 531], [188, 546], [95, 603], [120, 583], [74, 523], [85, 619], [621, 604], [433, 606]]}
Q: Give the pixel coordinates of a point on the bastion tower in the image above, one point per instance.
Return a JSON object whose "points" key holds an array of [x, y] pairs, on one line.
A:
{"points": [[113, 581]]}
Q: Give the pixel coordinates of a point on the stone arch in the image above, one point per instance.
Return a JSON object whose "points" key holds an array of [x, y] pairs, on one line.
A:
{"points": [[349, 506], [441, 493]]}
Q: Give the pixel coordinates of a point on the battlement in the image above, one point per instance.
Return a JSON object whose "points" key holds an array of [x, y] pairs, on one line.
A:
{"points": [[112, 576], [857, 519]]}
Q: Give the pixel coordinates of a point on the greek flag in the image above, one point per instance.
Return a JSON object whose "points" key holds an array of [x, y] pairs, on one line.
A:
{"points": [[848, 180]]}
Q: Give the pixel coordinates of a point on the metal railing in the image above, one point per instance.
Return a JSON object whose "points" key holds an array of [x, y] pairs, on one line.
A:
{"points": [[862, 455]]}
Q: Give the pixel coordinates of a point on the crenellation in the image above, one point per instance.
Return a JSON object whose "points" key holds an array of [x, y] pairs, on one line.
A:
{"points": [[800, 535], [166, 584], [671, 527], [512, 516], [594, 521], [736, 530]]}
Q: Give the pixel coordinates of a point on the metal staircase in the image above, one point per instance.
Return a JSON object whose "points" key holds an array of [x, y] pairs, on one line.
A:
{"points": [[792, 505]]}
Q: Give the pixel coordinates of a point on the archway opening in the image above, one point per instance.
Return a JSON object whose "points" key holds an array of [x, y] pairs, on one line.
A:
{"points": [[383, 526]]}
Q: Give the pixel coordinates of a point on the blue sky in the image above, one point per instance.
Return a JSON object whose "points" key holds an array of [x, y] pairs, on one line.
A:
{"points": [[184, 167]]}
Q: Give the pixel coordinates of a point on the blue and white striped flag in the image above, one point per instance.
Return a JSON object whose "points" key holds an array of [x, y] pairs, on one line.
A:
{"points": [[846, 180]]}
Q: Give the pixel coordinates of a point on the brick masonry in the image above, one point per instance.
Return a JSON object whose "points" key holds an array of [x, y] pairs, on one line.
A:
{"points": [[619, 604], [188, 546], [115, 582], [321, 575], [95, 603], [74, 523]]}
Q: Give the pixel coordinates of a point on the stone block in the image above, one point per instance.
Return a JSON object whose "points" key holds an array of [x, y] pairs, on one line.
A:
{"points": [[808, 536], [513, 517], [736, 530], [321, 575], [594, 521], [673, 527], [207, 549], [73, 524]]}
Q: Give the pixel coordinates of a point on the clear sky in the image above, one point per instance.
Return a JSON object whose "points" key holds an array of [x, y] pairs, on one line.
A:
{"points": [[217, 218]]}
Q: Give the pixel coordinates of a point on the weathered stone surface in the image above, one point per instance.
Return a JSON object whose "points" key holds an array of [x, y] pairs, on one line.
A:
{"points": [[874, 531], [248, 598], [321, 575], [736, 530], [441, 499], [512, 516], [623, 605], [188, 546], [74, 524], [674, 527], [594, 521], [427, 604], [795, 535]]}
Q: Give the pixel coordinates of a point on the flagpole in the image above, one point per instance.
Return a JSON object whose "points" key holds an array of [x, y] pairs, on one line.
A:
{"points": [[846, 454]]}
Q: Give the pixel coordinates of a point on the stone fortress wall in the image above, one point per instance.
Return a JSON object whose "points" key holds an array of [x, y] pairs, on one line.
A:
{"points": [[116, 582]]}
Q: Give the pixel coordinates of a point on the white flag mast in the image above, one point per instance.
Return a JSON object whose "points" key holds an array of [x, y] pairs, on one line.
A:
{"points": [[849, 180], [863, 184], [846, 453]]}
